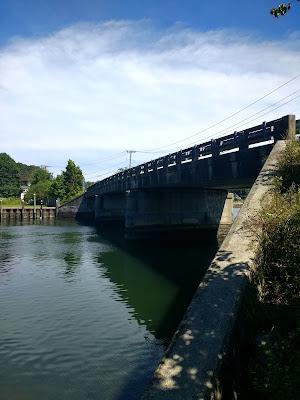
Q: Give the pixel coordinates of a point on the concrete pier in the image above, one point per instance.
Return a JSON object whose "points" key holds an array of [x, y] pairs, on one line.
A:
{"points": [[149, 212], [110, 207]]}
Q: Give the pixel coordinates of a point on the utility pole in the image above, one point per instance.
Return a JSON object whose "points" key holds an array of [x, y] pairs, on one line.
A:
{"points": [[130, 152]]}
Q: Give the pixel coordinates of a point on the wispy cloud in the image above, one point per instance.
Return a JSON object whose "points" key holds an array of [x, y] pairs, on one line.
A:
{"points": [[121, 85]]}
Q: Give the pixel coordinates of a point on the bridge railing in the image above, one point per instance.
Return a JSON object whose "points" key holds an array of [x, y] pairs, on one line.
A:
{"points": [[265, 133]]}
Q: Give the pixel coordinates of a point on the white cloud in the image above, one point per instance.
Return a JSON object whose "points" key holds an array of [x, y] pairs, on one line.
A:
{"points": [[121, 85]]}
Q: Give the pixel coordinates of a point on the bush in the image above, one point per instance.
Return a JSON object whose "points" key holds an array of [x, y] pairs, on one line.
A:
{"points": [[289, 167], [278, 263], [274, 367]]}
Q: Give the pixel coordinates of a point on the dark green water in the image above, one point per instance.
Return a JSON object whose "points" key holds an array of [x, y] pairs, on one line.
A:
{"points": [[84, 317]]}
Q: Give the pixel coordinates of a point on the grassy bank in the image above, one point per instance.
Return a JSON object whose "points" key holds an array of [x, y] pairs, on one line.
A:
{"points": [[11, 202], [274, 366]]}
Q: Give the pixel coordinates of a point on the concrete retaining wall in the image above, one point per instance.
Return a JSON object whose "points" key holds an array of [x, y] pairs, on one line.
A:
{"points": [[26, 213], [78, 207], [194, 362]]}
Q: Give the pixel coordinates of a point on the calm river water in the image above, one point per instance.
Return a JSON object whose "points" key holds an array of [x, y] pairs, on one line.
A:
{"points": [[85, 317]]}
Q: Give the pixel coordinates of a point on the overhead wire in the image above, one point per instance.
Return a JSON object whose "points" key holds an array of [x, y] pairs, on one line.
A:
{"points": [[107, 170], [257, 115], [158, 150], [247, 120], [239, 123], [228, 117]]}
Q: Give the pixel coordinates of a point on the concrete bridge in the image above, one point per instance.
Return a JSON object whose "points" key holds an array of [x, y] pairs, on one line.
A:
{"points": [[185, 190]]}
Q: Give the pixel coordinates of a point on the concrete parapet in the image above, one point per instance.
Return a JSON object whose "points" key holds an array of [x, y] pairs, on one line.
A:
{"points": [[194, 362]]}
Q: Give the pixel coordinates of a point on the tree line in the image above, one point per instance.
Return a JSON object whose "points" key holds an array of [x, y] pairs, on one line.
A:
{"points": [[43, 184]]}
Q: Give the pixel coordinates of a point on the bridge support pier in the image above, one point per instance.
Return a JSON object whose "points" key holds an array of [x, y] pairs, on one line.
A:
{"points": [[110, 207], [151, 213]]}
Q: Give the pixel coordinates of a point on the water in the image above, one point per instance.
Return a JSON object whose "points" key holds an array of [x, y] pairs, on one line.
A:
{"points": [[87, 317]]}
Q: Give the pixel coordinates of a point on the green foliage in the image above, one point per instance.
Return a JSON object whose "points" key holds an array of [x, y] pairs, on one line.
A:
{"points": [[72, 179], [41, 189], [40, 175], [26, 172], [274, 369], [289, 168], [281, 10], [67, 185], [88, 184], [11, 202], [57, 188], [278, 272], [9, 177]]}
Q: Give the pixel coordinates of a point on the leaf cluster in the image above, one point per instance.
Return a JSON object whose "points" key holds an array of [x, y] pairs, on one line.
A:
{"points": [[281, 10]]}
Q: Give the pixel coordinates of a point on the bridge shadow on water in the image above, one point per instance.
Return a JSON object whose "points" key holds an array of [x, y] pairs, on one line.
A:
{"points": [[157, 280]]}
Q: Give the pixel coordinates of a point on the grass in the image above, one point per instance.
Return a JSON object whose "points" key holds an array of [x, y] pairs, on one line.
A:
{"points": [[11, 202], [16, 202]]}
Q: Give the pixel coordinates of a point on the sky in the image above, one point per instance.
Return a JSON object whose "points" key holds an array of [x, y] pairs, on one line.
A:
{"points": [[88, 80]]}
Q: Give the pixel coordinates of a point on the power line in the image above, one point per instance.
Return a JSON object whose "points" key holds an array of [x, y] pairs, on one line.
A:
{"points": [[242, 122], [229, 116], [249, 119], [106, 170], [110, 158]]}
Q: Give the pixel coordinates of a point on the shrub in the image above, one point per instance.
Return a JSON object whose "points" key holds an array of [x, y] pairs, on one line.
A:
{"points": [[278, 263], [289, 167]]}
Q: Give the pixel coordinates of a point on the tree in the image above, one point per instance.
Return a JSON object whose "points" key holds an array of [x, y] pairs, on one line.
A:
{"points": [[26, 172], [9, 177], [282, 9], [40, 189], [57, 188], [40, 175], [72, 179], [88, 184]]}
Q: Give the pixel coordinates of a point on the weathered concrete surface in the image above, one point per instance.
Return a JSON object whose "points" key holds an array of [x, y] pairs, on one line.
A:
{"points": [[110, 207], [27, 213], [80, 206], [192, 365], [166, 209]]}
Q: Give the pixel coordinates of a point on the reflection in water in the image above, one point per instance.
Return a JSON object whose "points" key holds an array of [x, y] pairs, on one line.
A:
{"points": [[72, 260], [98, 336], [158, 283]]}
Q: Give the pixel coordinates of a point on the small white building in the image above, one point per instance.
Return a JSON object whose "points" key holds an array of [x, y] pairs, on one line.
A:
{"points": [[24, 190]]}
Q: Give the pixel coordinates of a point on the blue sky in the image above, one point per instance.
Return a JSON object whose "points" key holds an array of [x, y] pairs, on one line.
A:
{"points": [[40, 17], [90, 79]]}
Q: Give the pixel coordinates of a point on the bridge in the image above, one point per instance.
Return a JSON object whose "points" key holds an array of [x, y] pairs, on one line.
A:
{"points": [[186, 190]]}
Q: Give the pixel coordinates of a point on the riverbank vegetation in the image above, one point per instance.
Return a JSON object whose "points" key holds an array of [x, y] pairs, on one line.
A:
{"points": [[274, 367], [16, 176], [68, 184]]}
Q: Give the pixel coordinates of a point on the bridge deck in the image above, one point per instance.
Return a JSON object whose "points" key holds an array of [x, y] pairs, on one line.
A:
{"points": [[232, 161]]}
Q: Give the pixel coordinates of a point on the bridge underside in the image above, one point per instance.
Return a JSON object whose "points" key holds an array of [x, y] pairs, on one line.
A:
{"points": [[157, 212], [161, 211]]}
